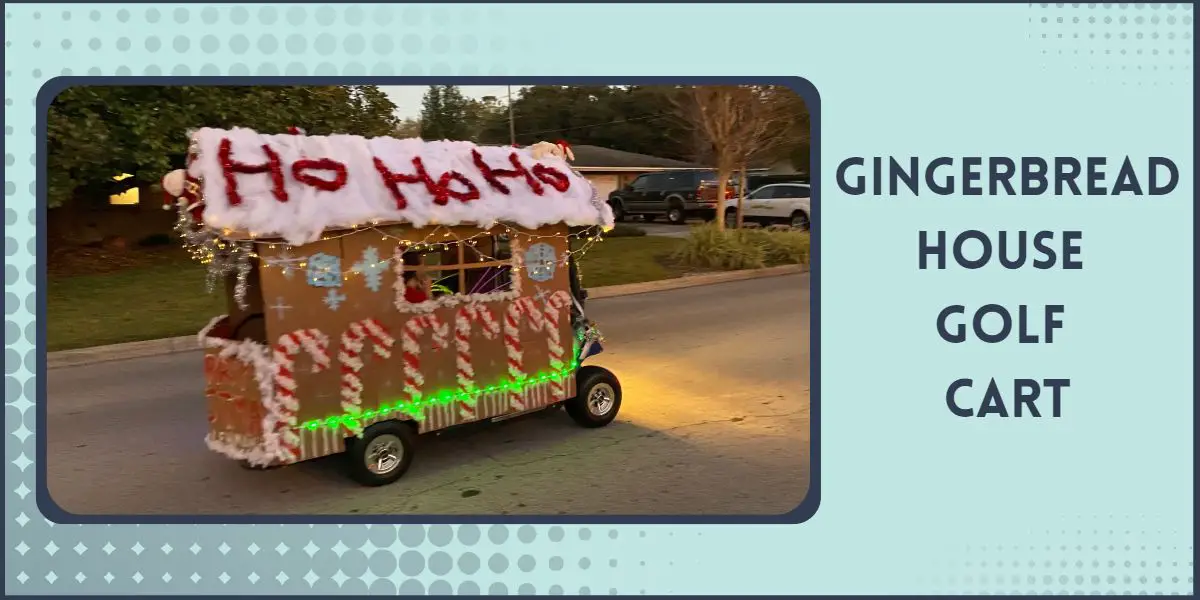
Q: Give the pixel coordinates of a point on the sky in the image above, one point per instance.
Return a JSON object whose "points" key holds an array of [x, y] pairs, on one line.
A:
{"points": [[408, 97]]}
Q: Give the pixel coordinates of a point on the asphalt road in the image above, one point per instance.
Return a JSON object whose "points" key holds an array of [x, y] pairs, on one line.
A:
{"points": [[715, 421]]}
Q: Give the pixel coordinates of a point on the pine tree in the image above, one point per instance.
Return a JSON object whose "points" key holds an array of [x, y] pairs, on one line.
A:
{"points": [[431, 113], [444, 114]]}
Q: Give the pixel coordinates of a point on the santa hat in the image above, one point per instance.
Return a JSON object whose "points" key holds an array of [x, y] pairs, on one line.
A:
{"points": [[566, 149]]}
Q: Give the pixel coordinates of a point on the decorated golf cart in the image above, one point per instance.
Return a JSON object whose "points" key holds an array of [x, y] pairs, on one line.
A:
{"points": [[383, 288]]}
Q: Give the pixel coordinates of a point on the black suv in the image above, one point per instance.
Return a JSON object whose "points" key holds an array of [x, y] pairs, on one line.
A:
{"points": [[673, 194]]}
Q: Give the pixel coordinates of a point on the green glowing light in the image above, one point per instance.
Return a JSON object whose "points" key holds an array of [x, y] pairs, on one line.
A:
{"points": [[415, 407]]}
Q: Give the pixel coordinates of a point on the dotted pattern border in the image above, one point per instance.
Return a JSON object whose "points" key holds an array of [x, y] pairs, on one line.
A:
{"points": [[43, 41]]}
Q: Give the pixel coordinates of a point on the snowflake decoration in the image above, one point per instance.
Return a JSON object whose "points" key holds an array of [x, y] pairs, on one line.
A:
{"points": [[333, 299], [371, 268], [324, 270], [286, 262], [279, 307]]}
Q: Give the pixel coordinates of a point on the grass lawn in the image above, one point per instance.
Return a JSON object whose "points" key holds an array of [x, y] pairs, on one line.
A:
{"points": [[163, 295]]}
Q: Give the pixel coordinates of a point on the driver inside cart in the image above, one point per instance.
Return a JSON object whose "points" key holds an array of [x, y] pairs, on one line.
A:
{"points": [[417, 286]]}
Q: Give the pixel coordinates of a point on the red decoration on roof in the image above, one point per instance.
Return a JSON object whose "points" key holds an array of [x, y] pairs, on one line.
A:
{"points": [[493, 175], [566, 149], [231, 167]]}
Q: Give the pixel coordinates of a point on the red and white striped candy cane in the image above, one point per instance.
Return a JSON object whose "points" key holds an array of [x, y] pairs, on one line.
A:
{"points": [[414, 328], [283, 417], [552, 310], [466, 317], [350, 355], [521, 307]]}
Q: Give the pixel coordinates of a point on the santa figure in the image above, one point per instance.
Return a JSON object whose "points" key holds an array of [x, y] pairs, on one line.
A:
{"points": [[560, 149], [182, 190]]}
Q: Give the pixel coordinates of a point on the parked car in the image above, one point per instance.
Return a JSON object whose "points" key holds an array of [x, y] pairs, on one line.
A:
{"points": [[708, 189], [675, 195], [757, 180], [775, 203]]}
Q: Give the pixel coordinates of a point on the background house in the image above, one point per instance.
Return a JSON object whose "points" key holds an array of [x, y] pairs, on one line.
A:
{"points": [[610, 169]]}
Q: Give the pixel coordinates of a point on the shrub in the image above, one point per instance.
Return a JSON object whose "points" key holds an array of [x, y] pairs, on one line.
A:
{"points": [[780, 247], [706, 247]]}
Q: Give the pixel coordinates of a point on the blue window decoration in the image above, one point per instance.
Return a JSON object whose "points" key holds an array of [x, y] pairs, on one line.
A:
{"points": [[540, 261], [324, 270]]}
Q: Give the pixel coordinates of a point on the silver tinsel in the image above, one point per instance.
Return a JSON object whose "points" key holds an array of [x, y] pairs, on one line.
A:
{"points": [[224, 257], [195, 238]]}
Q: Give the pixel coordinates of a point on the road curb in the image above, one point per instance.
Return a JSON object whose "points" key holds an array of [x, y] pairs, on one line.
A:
{"points": [[188, 343], [687, 281]]}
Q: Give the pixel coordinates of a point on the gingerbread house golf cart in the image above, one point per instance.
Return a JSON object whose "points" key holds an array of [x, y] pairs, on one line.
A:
{"points": [[384, 288]]}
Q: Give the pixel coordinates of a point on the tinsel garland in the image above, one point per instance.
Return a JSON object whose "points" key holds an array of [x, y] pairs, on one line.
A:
{"points": [[221, 257]]}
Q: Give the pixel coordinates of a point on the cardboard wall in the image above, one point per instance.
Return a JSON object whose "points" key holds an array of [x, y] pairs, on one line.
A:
{"points": [[235, 410], [292, 302]]}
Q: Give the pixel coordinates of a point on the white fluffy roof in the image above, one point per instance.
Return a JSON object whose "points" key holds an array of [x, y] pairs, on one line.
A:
{"points": [[365, 198]]}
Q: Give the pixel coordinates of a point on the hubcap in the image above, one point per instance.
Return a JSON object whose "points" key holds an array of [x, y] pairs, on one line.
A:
{"points": [[674, 215], [383, 454], [601, 399]]}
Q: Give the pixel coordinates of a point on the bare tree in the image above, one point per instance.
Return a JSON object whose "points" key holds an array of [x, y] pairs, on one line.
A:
{"points": [[741, 123]]}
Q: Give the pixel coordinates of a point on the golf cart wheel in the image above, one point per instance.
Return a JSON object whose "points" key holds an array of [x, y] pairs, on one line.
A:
{"points": [[382, 453], [598, 397]]}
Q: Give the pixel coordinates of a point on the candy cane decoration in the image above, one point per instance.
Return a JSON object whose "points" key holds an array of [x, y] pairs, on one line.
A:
{"points": [[521, 307], [316, 344], [546, 318], [467, 315], [512, 346], [552, 311], [414, 328], [350, 357]]}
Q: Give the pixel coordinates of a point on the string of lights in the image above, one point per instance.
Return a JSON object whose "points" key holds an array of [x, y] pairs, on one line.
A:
{"points": [[224, 255]]}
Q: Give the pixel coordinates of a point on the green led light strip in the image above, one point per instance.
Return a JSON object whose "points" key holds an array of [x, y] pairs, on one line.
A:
{"points": [[415, 408]]}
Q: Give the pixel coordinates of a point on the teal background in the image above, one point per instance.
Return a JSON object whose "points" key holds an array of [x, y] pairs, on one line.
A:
{"points": [[914, 500]]}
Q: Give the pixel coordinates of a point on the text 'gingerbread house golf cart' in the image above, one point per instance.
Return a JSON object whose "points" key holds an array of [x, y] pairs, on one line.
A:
{"points": [[383, 288]]}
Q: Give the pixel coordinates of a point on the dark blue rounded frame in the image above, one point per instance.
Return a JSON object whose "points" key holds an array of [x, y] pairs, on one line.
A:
{"points": [[803, 512]]}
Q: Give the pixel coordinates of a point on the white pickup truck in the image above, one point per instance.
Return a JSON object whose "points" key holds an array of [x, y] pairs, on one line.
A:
{"points": [[776, 203]]}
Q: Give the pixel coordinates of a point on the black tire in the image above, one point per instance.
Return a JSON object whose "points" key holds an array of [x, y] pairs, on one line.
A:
{"points": [[799, 220], [618, 211], [594, 383], [394, 436], [731, 218], [675, 213]]}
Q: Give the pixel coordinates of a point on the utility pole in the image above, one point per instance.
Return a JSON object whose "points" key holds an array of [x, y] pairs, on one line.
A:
{"points": [[512, 127]]}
